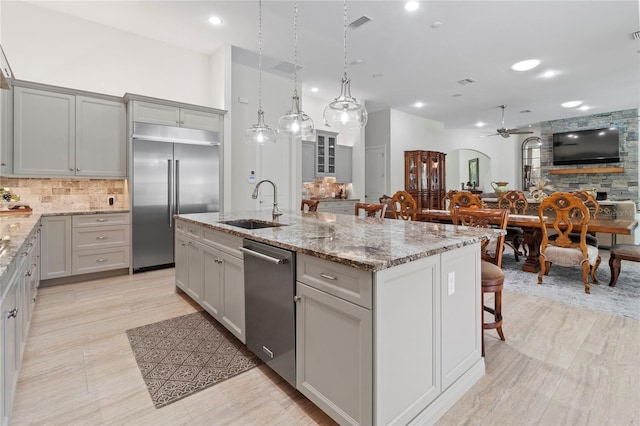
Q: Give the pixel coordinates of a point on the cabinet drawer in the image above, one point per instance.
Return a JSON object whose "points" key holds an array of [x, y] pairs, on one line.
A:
{"points": [[222, 241], [339, 280], [100, 219], [194, 231], [100, 237], [181, 227], [100, 260]]}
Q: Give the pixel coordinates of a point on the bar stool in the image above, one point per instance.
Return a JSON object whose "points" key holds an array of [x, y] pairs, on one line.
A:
{"points": [[312, 205]]}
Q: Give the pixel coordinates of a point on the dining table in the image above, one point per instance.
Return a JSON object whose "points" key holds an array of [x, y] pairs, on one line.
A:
{"points": [[532, 230]]}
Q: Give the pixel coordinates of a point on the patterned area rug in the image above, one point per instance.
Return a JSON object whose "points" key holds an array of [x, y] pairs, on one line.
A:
{"points": [[564, 284], [184, 355]]}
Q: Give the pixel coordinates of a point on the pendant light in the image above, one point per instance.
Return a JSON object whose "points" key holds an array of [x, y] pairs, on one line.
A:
{"points": [[260, 133], [345, 112], [295, 122]]}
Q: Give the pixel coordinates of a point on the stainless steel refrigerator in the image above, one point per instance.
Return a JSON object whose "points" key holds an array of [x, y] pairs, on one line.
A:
{"points": [[175, 170]]}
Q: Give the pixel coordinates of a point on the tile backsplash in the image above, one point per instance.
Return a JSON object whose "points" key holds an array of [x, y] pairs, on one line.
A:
{"points": [[45, 194], [325, 188]]}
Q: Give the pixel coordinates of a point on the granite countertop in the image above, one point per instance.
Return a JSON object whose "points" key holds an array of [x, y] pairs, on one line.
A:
{"points": [[335, 199], [365, 243]]}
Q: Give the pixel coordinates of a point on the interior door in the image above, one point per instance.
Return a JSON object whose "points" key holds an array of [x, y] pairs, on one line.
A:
{"points": [[375, 174], [197, 178], [152, 203]]}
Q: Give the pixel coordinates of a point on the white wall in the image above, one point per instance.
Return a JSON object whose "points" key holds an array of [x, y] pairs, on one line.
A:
{"points": [[377, 134], [410, 132], [52, 48]]}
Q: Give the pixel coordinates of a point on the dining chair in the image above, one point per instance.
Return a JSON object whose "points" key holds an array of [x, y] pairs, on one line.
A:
{"points": [[492, 275], [371, 209], [562, 250], [465, 199], [516, 202], [385, 199], [309, 205], [403, 205], [444, 203]]}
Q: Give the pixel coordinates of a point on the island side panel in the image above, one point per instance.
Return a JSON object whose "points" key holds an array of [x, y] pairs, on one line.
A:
{"points": [[406, 336], [461, 312]]}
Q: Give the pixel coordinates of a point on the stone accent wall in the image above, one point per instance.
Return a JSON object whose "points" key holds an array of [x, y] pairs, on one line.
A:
{"points": [[618, 186], [52, 195]]}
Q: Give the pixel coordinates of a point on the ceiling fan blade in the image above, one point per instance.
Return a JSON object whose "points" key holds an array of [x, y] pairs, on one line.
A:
{"points": [[492, 134], [519, 132]]}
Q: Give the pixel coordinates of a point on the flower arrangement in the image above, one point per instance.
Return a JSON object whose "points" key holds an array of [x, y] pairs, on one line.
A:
{"points": [[537, 191], [7, 196]]}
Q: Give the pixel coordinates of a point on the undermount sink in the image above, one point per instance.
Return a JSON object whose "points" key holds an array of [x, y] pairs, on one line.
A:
{"points": [[252, 224]]}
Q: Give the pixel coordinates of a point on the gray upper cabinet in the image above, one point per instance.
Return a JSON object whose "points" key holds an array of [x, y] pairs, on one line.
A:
{"points": [[169, 115], [100, 138], [308, 161], [344, 158], [63, 134]]}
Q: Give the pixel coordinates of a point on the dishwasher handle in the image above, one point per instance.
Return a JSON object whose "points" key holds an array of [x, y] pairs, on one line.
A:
{"points": [[262, 256]]}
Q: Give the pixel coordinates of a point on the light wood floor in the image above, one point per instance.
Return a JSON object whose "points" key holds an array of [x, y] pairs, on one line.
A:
{"points": [[559, 365]]}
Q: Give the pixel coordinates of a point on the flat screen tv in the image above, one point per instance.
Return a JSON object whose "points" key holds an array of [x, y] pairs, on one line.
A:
{"points": [[586, 147]]}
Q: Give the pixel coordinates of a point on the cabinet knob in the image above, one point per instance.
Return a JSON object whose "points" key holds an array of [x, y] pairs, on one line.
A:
{"points": [[102, 259], [77, 169], [70, 169], [296, 298]]}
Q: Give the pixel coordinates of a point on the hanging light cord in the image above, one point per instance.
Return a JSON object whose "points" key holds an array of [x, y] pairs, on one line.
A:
{"points": [[345, 39], [295, 48], [259, 55]]}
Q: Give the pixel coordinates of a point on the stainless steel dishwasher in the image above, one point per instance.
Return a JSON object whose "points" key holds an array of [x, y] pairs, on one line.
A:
{"points": [[269, 280]]}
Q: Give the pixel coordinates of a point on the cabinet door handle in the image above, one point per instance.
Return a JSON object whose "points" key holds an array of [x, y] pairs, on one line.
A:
{"points": [[328, 277], [12, 313], [101, 238], [101, 259], [102, 219]]}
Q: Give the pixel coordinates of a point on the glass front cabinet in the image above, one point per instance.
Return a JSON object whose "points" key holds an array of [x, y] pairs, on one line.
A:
{"points": [[425, 177], [326, 143]]}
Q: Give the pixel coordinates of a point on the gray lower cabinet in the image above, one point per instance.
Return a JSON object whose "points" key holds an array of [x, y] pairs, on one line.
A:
{"points": [[82, 244], [338, 206], [16, 307], [55, 250], [59, 134], [210, 269]]}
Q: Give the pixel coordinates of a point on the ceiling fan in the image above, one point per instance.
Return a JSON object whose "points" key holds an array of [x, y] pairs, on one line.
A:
{"points": [[504, 132]]}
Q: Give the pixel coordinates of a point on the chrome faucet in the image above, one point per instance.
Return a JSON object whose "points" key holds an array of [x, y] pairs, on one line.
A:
{"points": [[276, 212]]}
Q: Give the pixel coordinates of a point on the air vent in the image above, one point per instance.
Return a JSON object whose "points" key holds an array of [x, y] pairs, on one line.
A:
{"points": [[359, 22], [525, 111], [636, 35], [467, 81], [286, 67]]}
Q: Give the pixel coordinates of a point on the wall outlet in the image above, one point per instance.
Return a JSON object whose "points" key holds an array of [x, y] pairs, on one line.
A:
{"points": [[252, 176], [111, 199], [451, 283]]}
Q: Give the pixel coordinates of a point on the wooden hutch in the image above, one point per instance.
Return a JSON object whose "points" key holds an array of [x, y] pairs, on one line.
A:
{"points": [[425, 177]]}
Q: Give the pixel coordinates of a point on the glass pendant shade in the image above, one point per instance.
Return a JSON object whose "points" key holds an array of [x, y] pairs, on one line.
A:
{"points": [[296, 122], [260, 133], [345, 112]]}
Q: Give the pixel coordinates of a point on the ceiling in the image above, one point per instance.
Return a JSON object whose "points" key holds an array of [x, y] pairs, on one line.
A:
{"points": [[406, 58]]}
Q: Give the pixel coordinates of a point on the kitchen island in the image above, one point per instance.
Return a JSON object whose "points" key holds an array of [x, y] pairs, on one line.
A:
{"points": [[388, 318]]}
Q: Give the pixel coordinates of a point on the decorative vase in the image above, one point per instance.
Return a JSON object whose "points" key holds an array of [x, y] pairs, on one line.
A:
{"points": [[500, 188]]}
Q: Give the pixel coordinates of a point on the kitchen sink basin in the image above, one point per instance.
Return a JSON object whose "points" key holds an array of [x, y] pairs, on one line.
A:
{"points": [[252, 224]]}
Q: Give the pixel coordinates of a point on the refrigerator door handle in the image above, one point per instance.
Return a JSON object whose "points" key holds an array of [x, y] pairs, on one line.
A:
{"points": [[170, 192], [177, 186]]}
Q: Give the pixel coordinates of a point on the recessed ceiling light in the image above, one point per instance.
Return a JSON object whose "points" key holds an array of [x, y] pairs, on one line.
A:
{"points": [[525, 65], [314, 89], [411, 6], [436, 24], [480, 124], [584, 108], [571, 104], [549, 74], [418, 104], [356, 62], [215, 20]]}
